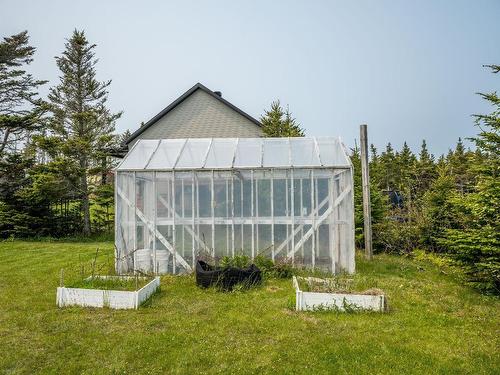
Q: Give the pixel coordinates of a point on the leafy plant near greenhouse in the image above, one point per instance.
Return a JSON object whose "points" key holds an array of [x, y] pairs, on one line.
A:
{"points": [[278, 269]]}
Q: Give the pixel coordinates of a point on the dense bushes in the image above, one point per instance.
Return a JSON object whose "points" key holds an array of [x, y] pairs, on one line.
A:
{"points": [[456, 215], [279, 269], [450, 206]]}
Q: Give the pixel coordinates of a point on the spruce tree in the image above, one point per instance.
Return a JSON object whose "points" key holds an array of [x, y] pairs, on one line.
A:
{"points": [[387, 162], [81, 118], [425, 171], [375, 172], [278, 122], [20, 107], [405, 163], [476, 243], [459, 162]]}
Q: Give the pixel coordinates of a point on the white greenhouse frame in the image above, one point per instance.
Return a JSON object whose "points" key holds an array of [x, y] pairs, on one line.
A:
{"points": [[284, 198]]}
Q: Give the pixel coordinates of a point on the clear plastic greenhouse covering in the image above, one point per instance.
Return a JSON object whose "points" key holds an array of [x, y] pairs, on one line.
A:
{"points": [[231, 153], [289, 199]]}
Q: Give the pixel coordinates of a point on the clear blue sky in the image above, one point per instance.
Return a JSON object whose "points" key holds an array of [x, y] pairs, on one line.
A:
{"points": [[409, 69]]}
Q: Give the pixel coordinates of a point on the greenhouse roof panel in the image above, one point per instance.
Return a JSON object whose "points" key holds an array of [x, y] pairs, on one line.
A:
{"points": [[167, 154], [193, 154], [304, 152], [139, 156], [236, 153], [331, 151], [221, 154], [248, 153], [276, 152]]}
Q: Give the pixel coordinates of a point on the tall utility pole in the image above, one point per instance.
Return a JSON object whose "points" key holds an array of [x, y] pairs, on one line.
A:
{"points": [[365, 175]]}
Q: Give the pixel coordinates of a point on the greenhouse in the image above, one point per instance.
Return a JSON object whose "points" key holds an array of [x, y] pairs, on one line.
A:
{"points": [[288, 199]]}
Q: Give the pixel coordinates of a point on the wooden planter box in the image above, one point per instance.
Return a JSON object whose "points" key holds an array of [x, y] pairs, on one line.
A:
{"points": [[115, 299], [314, 301]]}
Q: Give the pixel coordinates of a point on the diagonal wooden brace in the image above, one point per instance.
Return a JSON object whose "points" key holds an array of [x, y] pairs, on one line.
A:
{"points": [[320, 221], [188, 228], [157, 233], [297, 230]]}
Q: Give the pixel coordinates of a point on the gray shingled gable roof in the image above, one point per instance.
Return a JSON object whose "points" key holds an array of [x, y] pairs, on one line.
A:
{"points": [[179, 100]]}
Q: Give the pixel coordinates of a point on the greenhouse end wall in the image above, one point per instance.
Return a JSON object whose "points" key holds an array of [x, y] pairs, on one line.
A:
{"points": [[165, 220]]}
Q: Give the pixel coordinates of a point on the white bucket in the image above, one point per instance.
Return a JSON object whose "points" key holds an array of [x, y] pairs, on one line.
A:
{"points": [[143, 260], [162, 259]]}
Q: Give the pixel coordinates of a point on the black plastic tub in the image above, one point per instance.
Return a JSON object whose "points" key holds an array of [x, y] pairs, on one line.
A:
{"points": [[226, 277]]}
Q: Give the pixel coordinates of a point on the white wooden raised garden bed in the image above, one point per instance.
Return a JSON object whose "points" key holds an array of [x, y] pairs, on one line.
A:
{"points": [[115, 299], [314, 301]]}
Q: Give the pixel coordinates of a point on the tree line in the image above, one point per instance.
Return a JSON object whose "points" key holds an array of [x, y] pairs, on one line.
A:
{"points": [[54, 151], [55, 158], [449, 205]]}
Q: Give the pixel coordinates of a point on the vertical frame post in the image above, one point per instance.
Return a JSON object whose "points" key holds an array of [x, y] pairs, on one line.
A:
{"points": [[174, 260], [192, 216], [118, 253], [241, 214], [198, 210], [316, 205], [227, 216], [313, 209], [292, 203], [135, 218], [257, 215], [182, 214], [302, 216], [286, 213], [331, 225], [155, 213], [272, 215], [365, 175], [252, 213], [232, 215], [212, 188]]}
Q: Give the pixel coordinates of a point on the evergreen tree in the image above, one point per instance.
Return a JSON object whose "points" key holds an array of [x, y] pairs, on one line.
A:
{"points": [[488, 139], [104, 201], [81, 119], [405, 163], [20, 107], [425, 171], [278, 122], [387, 162], [458, 161], [439, 211], [476, 243], [375, 172], [377, 200], [123, 138]]}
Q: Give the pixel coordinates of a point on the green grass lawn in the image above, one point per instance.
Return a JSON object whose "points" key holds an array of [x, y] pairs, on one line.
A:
{"points": [[434, 324]]}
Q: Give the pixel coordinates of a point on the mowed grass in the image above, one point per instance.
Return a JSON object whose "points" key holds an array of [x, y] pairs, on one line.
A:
{"points": [[434, 325]]}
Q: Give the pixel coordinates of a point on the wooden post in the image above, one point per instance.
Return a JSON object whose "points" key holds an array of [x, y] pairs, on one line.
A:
{"points": [[365, 175]]}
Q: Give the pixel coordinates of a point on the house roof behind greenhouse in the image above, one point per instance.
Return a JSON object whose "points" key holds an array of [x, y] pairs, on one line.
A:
{"points": [[235, 153]]}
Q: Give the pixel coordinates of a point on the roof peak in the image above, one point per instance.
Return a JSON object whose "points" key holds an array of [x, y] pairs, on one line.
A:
{"points": [[180, 99]]}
